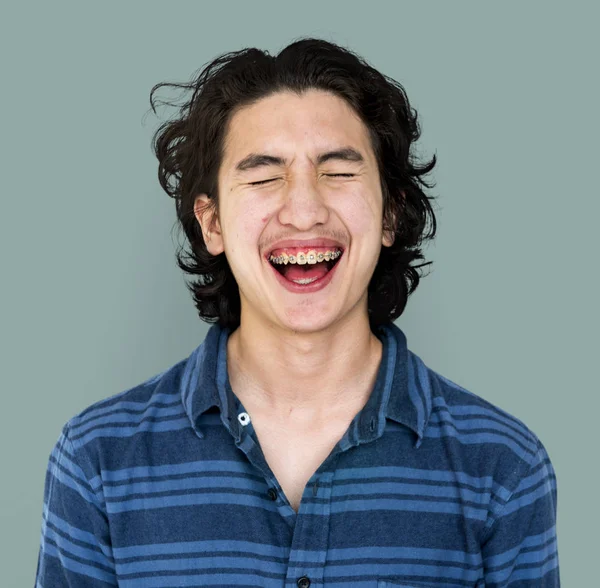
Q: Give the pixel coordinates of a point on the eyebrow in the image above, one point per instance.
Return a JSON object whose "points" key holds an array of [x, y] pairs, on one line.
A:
{"points": [[255, 160]]}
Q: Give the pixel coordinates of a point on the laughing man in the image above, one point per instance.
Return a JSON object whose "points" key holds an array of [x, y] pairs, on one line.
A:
{"points": [[302, 443]]}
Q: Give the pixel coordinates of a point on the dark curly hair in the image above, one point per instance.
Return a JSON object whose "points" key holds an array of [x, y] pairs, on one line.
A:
{"points": [[189, 149]]}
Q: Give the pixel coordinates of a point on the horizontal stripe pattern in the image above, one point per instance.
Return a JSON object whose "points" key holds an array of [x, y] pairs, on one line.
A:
{"points": [[431, 485]]}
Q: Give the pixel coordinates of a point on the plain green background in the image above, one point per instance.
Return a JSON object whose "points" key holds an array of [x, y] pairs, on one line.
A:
{"points": [[93, 302]]}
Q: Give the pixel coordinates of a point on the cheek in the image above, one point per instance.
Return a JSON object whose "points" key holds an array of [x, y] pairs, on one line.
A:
{"points": [[243, 229], [361, 214], [248, 220]]}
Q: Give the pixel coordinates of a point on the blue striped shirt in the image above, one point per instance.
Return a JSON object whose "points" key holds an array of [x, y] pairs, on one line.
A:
{"points": [[164, 485]]}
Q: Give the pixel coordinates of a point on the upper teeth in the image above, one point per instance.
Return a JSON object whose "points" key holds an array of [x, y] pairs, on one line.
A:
{"points": [[302, 258]]}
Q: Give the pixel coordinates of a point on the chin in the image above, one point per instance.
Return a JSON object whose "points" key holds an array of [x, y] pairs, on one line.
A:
{"points": [[308, 320]]}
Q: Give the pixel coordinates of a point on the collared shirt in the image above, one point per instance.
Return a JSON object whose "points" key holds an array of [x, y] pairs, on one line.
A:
{"points": [[166, 485]]}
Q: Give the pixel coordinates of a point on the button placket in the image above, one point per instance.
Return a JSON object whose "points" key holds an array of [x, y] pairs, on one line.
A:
{"points": [[311, 532]]}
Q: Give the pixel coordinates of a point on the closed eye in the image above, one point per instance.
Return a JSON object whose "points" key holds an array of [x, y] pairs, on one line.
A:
{"points": [[261, 182]]}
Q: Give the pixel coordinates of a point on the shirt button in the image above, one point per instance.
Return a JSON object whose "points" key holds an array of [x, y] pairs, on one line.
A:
{"points": [[303, 582], [272, 493]]}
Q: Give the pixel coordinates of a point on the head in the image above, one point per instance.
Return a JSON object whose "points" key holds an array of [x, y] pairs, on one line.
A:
{"points": [[311, 145]]}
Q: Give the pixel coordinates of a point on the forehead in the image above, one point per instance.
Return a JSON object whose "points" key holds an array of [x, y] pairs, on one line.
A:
{"points": [[288, 124]]}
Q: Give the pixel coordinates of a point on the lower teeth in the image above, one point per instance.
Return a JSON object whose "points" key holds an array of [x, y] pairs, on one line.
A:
{"points": [[305, 280]]}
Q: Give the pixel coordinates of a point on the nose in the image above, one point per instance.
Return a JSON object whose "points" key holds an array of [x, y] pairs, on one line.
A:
{"points": [[304, 205]]}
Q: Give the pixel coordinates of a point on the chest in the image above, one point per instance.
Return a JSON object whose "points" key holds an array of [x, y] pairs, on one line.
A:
{"points": [[384, 512], [294, 456]]}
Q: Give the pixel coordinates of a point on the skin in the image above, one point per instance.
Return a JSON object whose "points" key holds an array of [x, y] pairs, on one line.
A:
{"points": [[302, 359]]}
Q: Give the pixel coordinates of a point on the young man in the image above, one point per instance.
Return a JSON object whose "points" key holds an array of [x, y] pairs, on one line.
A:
{"points": [[302, 443]]}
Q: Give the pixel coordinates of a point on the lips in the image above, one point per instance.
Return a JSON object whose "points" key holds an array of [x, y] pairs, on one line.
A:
{"points": [[306, 288]]}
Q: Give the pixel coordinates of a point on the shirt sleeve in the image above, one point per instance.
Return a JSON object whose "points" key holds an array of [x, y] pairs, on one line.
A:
{"points": [[75, 548], [520, 547]]}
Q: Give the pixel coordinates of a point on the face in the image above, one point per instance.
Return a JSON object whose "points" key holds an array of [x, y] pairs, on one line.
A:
{"points": [[298, 175]]}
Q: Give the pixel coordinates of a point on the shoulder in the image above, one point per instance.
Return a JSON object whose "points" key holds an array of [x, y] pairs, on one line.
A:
{"points": [[491, 439], [501, 453], [147, 406]]}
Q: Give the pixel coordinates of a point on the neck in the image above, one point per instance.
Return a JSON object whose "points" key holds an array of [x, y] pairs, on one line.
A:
{"points": [[303, 377]]}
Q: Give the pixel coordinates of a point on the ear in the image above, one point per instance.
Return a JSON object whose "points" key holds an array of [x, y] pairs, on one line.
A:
{"points": [[388, 236], [204, 211]]}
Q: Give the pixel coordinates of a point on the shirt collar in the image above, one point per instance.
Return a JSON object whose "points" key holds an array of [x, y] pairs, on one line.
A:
{"points": [[401, 393], [410, 391]]}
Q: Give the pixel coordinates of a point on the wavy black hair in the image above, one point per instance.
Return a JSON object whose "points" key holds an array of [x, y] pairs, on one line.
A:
{"points": [[190, 148]]}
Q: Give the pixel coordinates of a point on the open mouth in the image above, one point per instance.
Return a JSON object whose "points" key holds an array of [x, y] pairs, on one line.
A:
{"points": [[303, 271]]}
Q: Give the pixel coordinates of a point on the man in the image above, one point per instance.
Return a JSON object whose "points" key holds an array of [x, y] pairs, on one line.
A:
{"points": [[302, 443]]}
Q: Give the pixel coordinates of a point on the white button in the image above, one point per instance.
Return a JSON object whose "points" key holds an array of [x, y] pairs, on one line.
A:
{"points": [[244, 418]]}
